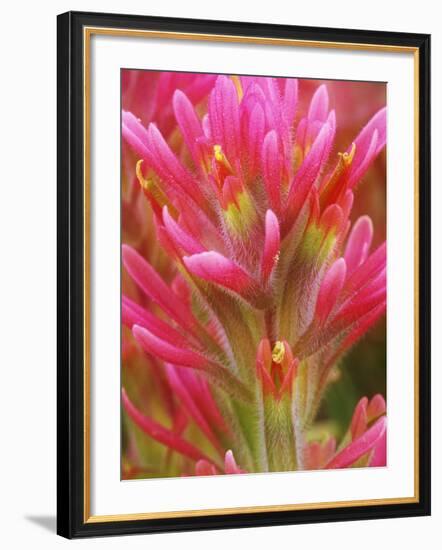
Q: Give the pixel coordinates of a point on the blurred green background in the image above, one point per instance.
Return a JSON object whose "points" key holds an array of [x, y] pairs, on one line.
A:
{"points": [[362, 372]]}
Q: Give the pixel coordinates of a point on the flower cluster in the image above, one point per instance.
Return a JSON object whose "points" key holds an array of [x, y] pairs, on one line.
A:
{"points": [[267, 282]]}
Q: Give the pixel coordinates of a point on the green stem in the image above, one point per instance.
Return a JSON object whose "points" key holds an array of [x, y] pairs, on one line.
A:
{"points": [[280, 438]]}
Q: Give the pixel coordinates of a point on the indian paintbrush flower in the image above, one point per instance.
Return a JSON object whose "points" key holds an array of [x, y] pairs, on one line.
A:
{"points": [[271, 282]]}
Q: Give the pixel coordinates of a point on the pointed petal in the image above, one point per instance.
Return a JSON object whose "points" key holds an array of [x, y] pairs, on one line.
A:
{"points": [[358, 243], [189, 124], [230, 465], [331, 286], [264, 354], [359, 420], [370, 269], [361, 327], [369, 143], [133, 314], [312, 165], [160, 433], [255, 136], [377, 123], [170, 169], [263, 363], [191, 407], [275, 111], [376, 407], [331, 219], [287, 383], [268, 386], [216, 268], [135, 134], [180, 236], [198, 86], [272, 243], [153, 286], [379, 458], [346, 203], [272, 169], [232, 189], [224, 117], [290, 99], [358, 170], [185, 357], [363, 302], [318, 109], [166, 351], [200, 391], [360, 446]]}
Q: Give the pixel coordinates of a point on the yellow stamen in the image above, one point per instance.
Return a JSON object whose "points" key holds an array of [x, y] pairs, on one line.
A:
{"points": [[278, 352], [221, 158], [219, 155], [143, 182], [154, 190], [347, 158]]}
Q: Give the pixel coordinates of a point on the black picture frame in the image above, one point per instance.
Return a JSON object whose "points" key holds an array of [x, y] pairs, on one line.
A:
{"points": [[71, 520]]}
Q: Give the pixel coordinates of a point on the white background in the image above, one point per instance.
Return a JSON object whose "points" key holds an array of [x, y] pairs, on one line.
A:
{"points": [[28, 230]]}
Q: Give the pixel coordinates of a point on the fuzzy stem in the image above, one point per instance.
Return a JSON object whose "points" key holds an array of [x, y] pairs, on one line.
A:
{"points": [[270, 318], [280, 440]]}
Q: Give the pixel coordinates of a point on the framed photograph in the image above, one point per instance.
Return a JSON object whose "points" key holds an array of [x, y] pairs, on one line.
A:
{"points": [[243, 274]]}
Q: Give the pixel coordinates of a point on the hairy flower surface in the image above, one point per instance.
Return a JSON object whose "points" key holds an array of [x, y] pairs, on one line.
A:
{"points": [[267, 285]]}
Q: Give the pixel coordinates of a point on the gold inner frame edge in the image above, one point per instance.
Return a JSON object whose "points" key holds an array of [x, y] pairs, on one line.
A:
{"points": [[87, 33]]}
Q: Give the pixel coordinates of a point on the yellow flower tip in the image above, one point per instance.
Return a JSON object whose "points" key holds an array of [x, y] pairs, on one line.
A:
{"points": [[144, 183], [348, 157], [218, 152], [138, 169], [221, 158], [278, 352]]}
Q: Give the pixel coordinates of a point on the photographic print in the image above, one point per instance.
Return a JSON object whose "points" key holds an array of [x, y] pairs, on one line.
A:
{"points": [[253, 248]]}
